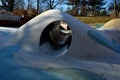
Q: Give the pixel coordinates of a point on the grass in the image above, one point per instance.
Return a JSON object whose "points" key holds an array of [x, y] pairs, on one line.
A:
{"points": [[93, 20]]}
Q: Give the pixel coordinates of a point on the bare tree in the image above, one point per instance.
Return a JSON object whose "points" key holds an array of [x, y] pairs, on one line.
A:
{"points": [[4, 4], [38, 5], [51, 4], [8, 4], [96, 5], [116, 8], [29, 4], [75, 4], [11, 4], [19, 4], [83, 8]]}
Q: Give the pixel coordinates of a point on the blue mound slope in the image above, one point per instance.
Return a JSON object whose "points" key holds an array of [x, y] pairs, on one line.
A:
{"points": [[9, 70], [114, 45]]}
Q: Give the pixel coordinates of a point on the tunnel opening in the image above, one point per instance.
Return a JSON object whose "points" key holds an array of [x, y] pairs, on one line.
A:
{"points": [[56, 36]]}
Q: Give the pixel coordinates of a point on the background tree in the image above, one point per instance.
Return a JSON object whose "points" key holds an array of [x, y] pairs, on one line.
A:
{"points": [[51, 4], [85, 7], [38, 6], [75, 6], [41, 6], [96, 5], [4, 4], [19, 4], [114, 8], [29, 4], [84, 4], [11, 4], [8, 5]]}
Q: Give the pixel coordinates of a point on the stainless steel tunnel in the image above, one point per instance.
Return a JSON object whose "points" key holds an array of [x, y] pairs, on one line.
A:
{"points": [[58, 34]]}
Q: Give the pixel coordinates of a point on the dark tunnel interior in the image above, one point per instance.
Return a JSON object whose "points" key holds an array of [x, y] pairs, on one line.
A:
{"points": [[58, 34]]}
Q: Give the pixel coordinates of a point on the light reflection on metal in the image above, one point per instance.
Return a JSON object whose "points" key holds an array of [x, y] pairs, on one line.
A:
{"points": [[60, 34]]}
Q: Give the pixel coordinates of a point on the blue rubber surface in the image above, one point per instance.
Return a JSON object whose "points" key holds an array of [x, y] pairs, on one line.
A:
{"points": [[114, 45], [10, 70]]}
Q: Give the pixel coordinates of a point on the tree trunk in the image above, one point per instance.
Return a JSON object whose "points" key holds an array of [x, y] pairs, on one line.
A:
{"points": [[11, 4], [83, 8], [94, 10], [38, 6], [115, 9]]}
